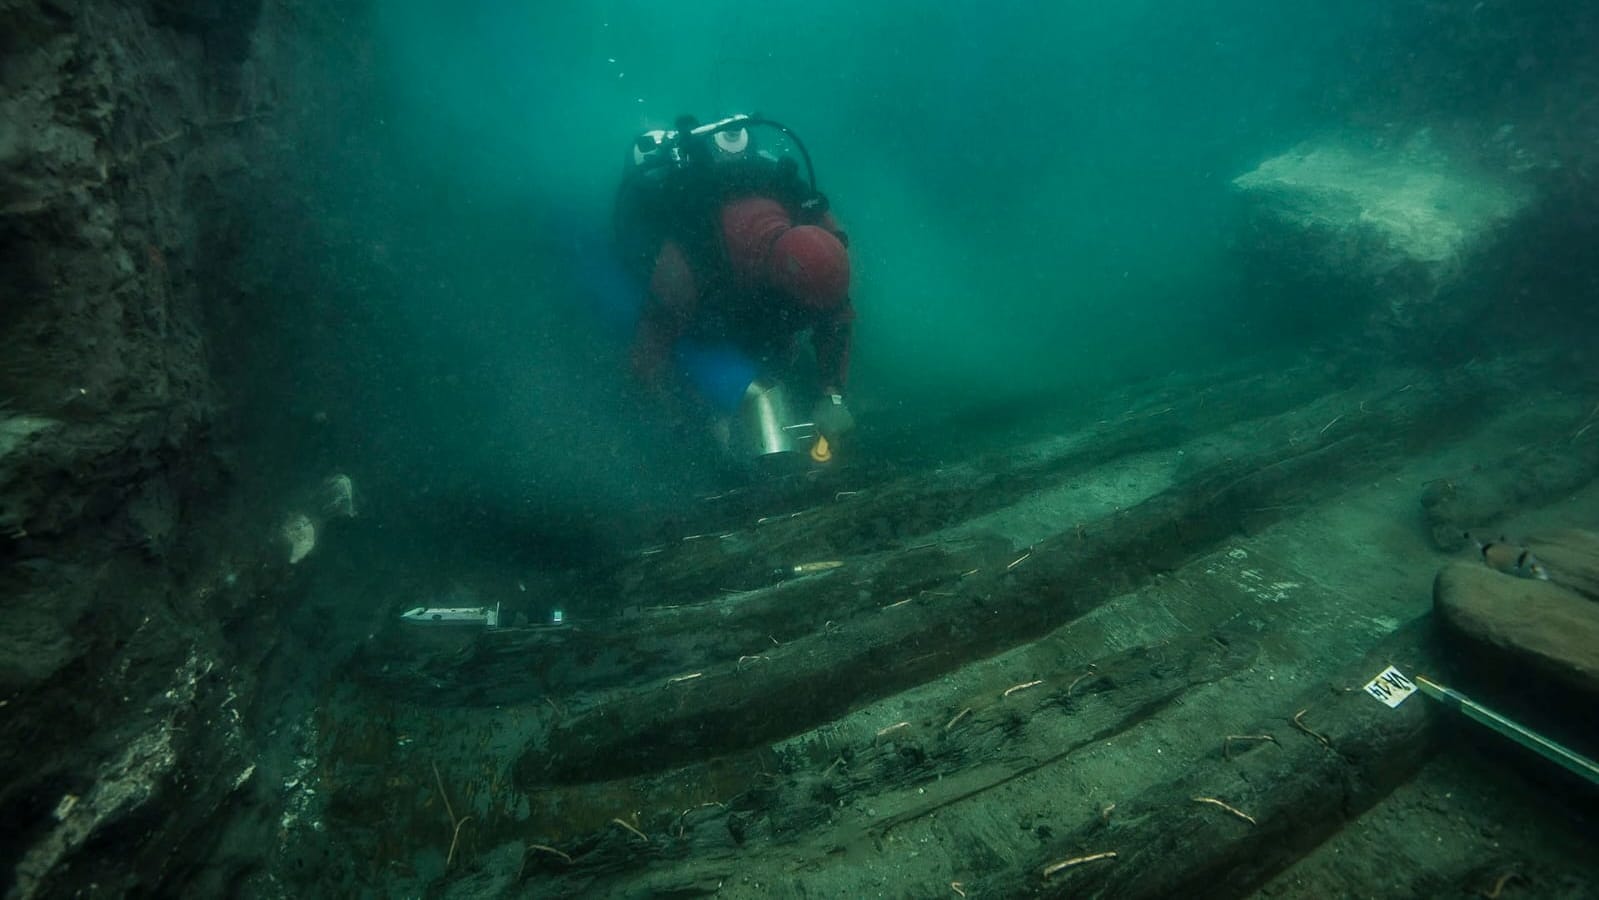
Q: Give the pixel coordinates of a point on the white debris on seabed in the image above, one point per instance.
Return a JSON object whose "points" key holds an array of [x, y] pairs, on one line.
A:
{"points": [[124, 785], [300, 796], [64, 808], [128, 783], [301, 536], [338, 496]]}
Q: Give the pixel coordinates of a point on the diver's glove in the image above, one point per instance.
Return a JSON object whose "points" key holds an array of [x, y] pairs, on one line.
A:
{"points": [[832, 418]]}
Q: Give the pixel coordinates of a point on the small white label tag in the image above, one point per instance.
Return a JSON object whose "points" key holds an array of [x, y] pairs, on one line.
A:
{"points": [[1391, 687]]}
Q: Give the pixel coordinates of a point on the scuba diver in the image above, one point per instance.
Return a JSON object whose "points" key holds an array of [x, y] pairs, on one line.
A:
{"points": [[738, 256]]}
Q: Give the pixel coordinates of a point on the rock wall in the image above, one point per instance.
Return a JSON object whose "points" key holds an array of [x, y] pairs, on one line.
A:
{"points": [[126, 137]]}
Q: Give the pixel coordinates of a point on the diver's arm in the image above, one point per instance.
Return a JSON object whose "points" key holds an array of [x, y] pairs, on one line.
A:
{"points": [[657, 331], [832, 337], [673, 296]]}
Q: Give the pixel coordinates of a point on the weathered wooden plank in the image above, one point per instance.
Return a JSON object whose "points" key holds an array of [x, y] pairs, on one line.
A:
{"points": [[941, 757], [739, 541], [873, 652], [1297, 791]]}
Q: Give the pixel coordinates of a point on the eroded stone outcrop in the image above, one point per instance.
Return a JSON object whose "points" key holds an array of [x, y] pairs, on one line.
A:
{"points": [[1340, 218]]}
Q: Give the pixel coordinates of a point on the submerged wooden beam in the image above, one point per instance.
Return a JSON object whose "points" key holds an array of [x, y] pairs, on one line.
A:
{"points": [[948, 752], [872, 651], [726, 552], [1229, 822], [1233, 820]]}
